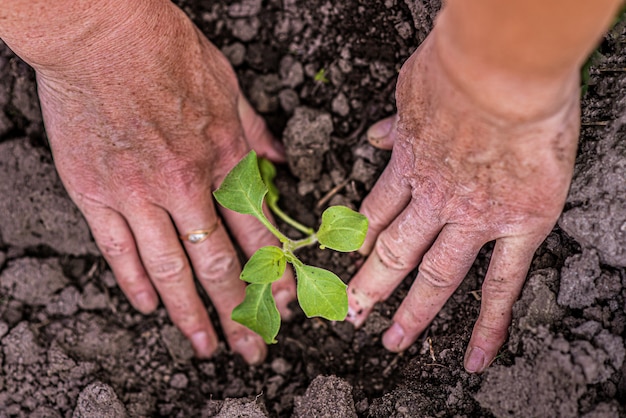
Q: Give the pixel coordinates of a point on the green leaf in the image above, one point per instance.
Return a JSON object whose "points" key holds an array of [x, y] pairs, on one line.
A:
{"points": [[342, 229], [266, 265], [321, 293], [258, 312], [268, 173], [243, 189]]}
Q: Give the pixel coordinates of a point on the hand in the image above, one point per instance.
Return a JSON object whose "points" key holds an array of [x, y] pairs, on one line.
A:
{"points": [[144, 124], [461, 174]]}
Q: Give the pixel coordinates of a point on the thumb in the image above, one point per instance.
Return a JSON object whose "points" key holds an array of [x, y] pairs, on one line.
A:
{"points": [[382, 134], [257, 134]]}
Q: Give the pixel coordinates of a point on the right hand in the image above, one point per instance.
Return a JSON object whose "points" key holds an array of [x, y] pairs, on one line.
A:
{"points": [[145, 119]]}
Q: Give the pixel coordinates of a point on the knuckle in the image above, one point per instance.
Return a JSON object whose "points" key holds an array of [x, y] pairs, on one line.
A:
{"points": [[434, 275], [491, 330], [496, 289], [218, 268], [167, 269], [389, 255], [411, 321], [113, 249]]}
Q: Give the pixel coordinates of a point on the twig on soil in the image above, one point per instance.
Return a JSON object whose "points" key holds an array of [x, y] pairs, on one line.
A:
{"points": [[354, 135], [392, 365], [332, 192], [599, 123], [431, 350], [476, 294], [437, 365], [92, 271]]}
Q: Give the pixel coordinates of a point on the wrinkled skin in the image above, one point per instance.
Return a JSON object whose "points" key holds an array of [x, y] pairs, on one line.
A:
{"points": [[141, 158], [460, 176]]}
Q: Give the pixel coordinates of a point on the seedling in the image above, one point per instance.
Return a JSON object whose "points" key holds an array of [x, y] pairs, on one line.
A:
{"points": [[320, 76], [320, 292]]}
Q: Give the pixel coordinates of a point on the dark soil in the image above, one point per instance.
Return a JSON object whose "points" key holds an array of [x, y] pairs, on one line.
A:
{"points": [[71, 345]]}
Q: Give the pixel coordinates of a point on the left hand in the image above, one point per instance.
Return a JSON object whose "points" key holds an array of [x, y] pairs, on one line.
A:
{"points": [[461, 174]]}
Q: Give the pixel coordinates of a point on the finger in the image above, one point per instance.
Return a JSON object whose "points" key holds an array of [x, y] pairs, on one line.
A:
{"points": [[167, 265], [397, 251], [443, 268], [383, 133], [389, 196], [217, 268], [259, 137], [116, 242], [503, 283], [252, 235]]}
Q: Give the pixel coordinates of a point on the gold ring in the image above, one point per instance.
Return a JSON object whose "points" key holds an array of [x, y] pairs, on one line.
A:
{"points": [[199, 235]]}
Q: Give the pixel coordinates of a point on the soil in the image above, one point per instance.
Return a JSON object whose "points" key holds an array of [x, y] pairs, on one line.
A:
{"points": [[71, 345]]}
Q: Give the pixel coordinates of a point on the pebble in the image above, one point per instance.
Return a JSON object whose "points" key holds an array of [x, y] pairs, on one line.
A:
{"points": [[289, 100], [245, 29], [291, 72], [245, 8], [340, 105], [236, 53], [281, 366], [179, 381]]}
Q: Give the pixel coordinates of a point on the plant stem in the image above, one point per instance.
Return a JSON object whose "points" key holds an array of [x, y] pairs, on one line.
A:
{"points": [[281, 237], [290, 221], [291, 245]]}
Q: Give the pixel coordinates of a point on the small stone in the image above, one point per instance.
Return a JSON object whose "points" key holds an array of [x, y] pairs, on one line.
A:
{"points": [[92, 298], [99, 400], [33, 281], [307, 138], [289, 100], [381, 71], [245, 8], [404, 29], [236, 53], [65, 303], [177, 345], [20, 346], [291, 72], [108, 279], [345, 66], [281, 366], [179, 381], [305, 187], [340, 105], [326, 397], [245, 29]]}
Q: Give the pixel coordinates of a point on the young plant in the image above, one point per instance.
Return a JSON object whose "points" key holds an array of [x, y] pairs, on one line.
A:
{"points": [[320, 292], [320, 76]]}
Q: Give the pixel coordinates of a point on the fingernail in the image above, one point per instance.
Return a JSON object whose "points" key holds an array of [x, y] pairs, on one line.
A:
{"points": [[475, 360], [252, 350], [203, 345], [144, 302], [380, 129], [393, 338]]}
